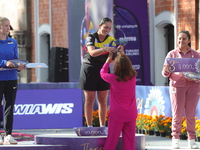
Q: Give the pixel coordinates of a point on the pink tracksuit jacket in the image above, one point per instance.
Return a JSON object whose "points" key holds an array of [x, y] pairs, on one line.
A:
{"points": [[184, 95], [123, 111]]}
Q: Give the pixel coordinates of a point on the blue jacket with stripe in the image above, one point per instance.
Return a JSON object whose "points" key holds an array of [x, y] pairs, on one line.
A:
{"points": [[8, 51]]}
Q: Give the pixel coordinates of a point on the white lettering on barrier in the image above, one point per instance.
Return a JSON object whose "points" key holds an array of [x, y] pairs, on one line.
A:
{"points": [[40, 109]]}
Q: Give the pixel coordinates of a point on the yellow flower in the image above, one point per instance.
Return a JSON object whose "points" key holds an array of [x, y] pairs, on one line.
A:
{"points": [[164, 123], [197, 128], [183, 127], [95, 119]]}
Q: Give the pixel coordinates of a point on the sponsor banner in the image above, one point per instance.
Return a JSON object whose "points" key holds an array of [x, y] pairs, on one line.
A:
{"points": [[155, 100], [84, 21], [184, 64], [91, 131], [63, 107], [48, 109], [133, 23]]}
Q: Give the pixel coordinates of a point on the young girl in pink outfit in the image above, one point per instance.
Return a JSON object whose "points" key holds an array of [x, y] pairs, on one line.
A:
{"points": [[123, 111], [184, 92]]}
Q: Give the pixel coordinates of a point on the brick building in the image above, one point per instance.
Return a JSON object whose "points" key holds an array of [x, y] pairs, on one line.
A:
{"points": [[49, 29], [44, 24], [166, 19]]}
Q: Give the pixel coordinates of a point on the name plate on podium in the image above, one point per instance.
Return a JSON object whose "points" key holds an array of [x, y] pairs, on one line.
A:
{"points": [[91, 131], [184, 64]]}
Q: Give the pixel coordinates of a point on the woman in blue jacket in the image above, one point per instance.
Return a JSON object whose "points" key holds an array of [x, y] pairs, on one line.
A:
{"points": [[8, 78]]}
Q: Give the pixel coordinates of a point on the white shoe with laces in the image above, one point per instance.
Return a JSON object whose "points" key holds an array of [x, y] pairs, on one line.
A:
{"points": [[1, 140], [192, 144], [9, 140], [175, 144]]}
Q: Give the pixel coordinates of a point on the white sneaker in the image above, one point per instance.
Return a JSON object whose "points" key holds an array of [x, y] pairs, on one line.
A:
{"points": [[9, 140], [192, 144], [175, 143], [1, 140]]}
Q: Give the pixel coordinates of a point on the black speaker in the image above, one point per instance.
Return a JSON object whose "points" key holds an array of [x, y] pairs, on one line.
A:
{"points": [[58, 65]]}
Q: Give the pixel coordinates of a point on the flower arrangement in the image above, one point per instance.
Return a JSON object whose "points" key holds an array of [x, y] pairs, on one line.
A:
{"points": [[95, 119], [140, 121], [155, 123], [164, 124], [148, 123], [197, 127], [183, 127], [156, 120]]}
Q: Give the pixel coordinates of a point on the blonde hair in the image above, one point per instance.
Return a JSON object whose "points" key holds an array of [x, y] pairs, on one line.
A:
{"points": [[2, 19]]}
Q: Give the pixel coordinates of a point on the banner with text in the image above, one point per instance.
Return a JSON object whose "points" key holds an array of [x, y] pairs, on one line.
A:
{"points": [[48, 109], [132, 21]]}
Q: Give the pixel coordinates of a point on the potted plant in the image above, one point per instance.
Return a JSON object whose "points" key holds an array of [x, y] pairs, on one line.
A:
{"points": [[155, 126], [140, 123], [95, 119], [164, 125], [148, 125], [197, 127], [183, 132]]}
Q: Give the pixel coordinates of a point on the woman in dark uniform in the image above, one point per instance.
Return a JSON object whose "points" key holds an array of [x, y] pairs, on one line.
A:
{"points": [[99, 44]]}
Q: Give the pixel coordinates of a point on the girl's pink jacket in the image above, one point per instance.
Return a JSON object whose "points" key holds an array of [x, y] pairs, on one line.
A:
{"points": [[122, 96]]}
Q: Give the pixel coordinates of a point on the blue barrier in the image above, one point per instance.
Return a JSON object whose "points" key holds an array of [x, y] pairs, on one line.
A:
{"points": [[60, 105]]}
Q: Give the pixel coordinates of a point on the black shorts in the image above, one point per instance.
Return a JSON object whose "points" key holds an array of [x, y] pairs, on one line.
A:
{"points": [[91, 80]]}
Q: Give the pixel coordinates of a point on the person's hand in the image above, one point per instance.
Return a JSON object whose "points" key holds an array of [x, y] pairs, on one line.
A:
{"points": [[110, 49], [21, 67], [121, 48], [9, 64], [109, 59], [166, 68]]}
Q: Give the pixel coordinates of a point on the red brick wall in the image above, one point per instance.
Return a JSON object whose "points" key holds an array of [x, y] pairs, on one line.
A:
{"points": [[43, 12], [187, 16], [59, 20], [33, 79], [59, 24], [163, 5]]}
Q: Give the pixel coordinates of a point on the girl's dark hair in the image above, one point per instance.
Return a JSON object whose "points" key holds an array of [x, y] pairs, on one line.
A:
{"points": [[188, 35], [103, 20], [123, 68]]}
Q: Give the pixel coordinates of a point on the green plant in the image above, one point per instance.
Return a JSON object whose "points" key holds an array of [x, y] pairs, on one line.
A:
{"points": [[95, 119], [164, 123], [140, 121], [183, 127], [197, 127]]}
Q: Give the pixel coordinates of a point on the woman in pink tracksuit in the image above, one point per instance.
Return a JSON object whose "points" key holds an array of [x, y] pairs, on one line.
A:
{"points": [[184, 92], [123, 111]]}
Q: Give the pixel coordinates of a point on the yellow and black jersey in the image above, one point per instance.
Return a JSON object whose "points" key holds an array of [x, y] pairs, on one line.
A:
{"points": [[93, 40]]}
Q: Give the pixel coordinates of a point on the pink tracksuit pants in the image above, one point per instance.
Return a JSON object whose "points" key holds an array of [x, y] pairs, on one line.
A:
{"points": [[128, 134], [184, 101]]}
